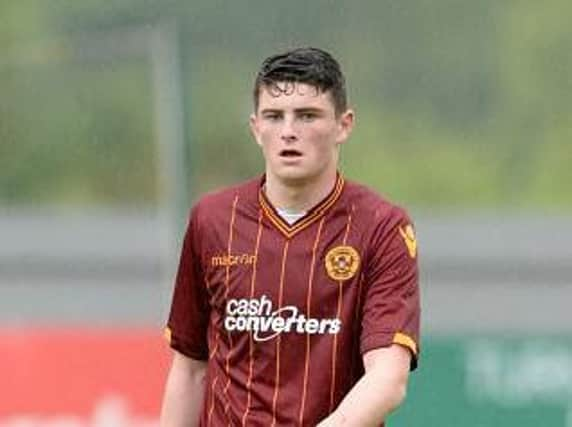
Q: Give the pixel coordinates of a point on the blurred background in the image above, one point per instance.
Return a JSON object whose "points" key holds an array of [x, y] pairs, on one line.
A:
{"points": [[116, 115]]}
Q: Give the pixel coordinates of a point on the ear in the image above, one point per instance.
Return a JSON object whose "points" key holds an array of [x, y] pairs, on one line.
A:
{"points": [[345, 125], [253, 122]]}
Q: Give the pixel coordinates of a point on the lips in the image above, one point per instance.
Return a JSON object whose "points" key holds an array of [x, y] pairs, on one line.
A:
{"points": [[290, 153]]}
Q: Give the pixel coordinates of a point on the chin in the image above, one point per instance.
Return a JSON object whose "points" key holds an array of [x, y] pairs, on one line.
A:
{"points": [[294, 176]]}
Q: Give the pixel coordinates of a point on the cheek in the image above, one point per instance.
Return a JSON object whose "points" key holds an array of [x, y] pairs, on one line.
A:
{"points": [[267, 135], [262, 137], [322, 140], [266, 141]]}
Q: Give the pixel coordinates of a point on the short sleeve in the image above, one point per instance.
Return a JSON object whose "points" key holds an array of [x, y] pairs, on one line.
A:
{"points": [[188, 321], [391, 308]]}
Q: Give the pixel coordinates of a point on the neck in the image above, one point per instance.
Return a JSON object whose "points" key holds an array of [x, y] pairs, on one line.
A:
{"points": [[299, 196]]}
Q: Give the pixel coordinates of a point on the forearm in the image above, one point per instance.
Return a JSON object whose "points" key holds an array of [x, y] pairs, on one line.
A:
{"points": [[370, 401], [184, 394], [378, 392]]}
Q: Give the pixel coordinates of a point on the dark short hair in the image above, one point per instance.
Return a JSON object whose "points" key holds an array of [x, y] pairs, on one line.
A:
{"points": [[308, 65]]}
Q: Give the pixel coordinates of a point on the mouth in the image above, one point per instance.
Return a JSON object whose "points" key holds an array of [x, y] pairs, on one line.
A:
{"points": [[290, 153]]}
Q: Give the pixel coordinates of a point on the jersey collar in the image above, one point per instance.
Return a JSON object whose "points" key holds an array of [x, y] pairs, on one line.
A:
{"points": [[289, 230]]}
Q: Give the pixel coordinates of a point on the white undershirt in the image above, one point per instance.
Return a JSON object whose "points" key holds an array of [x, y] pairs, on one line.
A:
{"points": [[290, 216]]}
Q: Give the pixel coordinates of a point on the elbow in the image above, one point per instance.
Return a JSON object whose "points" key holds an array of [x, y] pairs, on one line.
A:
{"points": [[397, 395], [187, 373], [198, 377], [400, 393]]}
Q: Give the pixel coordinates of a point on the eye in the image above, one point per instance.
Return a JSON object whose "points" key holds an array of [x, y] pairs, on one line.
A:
{"points": [[271, 116], [307, 116]]}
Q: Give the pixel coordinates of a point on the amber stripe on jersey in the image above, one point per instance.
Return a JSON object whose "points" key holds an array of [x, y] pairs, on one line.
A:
{"points": [[250, 343], [210, 392], [216, 335], [279, 338], [227, 285], [309, 316], [210, 414], [315, 213], [339, 316]]}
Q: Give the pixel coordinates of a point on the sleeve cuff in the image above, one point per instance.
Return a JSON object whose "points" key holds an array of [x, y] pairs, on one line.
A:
{"points": [[385, 339], [184, 347]]}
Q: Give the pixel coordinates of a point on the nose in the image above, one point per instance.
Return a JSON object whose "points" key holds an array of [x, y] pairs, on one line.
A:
{"points": [[288, 132]]}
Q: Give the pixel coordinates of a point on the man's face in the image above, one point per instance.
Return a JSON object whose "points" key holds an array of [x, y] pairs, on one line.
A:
{"points": [[299, 132]]}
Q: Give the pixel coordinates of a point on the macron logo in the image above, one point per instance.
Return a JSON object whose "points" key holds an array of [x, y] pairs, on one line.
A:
{"points": [[227, 260], [258, 317]]}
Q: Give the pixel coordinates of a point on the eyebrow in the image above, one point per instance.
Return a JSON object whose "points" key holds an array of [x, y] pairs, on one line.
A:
{"points": [[309, 110], [296, 110]]}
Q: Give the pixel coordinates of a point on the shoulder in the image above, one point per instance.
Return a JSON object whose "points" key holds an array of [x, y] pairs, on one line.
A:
{"points": [[387, 227], [371, 207], [220, 203]]}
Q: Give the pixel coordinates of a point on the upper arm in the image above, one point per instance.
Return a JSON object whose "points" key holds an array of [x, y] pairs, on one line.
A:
{"points": [[394, 358], [391, 366], [190, 310], [185, 366], [391, 310], [184, 392]]}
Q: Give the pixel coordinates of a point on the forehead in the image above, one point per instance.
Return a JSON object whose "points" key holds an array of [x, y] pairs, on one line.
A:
{"points": [[284, 95]]}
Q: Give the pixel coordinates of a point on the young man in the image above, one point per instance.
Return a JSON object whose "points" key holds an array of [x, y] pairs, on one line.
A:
{"points": [[296, 302]]}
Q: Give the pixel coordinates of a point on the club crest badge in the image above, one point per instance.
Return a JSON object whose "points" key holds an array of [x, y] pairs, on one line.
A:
{"points": [[410, 240], [342, 262]]}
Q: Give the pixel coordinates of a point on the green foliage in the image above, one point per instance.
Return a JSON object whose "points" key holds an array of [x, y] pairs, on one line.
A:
{"points": [[67, 141], [459, 104], [416, 162]]}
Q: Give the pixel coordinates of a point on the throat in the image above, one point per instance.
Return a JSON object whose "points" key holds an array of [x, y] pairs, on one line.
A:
{"points": [[289, 215], [298, 197]]}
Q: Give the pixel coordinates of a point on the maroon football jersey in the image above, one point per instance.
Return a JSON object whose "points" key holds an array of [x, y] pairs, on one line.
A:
{"points": [[283, 313]]}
